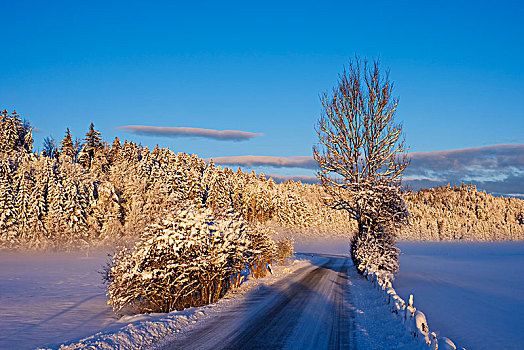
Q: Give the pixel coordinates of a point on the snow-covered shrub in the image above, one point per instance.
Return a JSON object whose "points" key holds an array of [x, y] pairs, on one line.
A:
{"points": [[187, 259], [263, 250], [378, 209], [382, 211], [375, 252], [285, 249]]}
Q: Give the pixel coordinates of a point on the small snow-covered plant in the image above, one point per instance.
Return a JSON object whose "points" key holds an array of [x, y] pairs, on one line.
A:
{"points": [[285, 249], [375, 252], [187, 259], [263, 250]]}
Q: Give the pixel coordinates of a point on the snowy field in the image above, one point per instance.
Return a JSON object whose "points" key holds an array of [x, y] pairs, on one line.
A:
{"points": [[49, 298], [322, 245], [472, 293]]}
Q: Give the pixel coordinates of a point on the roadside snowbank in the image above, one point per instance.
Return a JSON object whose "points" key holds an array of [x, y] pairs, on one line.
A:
{"points": [[414, 320]]}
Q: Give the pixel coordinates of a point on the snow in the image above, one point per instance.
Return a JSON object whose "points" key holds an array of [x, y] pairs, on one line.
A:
{"points": [[146, 330], [472, 293], [376, 326], [322, 245], [49, 298]]}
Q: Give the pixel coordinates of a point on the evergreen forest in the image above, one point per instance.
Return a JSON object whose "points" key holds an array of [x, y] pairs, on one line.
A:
{"points": [[87, 192]]}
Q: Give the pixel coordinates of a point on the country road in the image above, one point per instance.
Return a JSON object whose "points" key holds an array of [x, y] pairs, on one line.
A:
{"points": [[310, 309]]}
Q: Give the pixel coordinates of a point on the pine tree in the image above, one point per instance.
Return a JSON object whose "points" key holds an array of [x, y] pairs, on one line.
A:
{"points": [[93, 142], [8, 215], [23, 202], [50, 149], [67, 148], [83, 158], [10, 132]]}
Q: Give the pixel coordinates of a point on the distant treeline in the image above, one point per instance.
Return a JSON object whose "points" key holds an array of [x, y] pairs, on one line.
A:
{"points": [[86, 192], [462, 212]]}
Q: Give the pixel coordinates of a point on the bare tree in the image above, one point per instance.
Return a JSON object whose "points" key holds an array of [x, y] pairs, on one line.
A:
{"points": [[361, 157]]}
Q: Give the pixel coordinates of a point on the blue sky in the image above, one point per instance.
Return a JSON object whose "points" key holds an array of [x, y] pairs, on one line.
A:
{"points": [[259, 67]]}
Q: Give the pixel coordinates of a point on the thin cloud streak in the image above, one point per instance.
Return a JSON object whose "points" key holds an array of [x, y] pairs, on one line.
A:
{"points": [[305, 162], [489, 157], [480, 158], [165, 131]]}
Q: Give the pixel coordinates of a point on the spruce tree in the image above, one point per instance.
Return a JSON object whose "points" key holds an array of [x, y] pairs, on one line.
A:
{"points": [[22, 201], [74, 210], [114, 152], [9, 132], [67, 148], [93, 142], [83, 158], [25, 135], [7, 210], [28, 140]]}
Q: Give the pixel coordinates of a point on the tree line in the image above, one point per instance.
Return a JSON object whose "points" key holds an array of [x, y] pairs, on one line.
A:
{"points": [[89, 193]]}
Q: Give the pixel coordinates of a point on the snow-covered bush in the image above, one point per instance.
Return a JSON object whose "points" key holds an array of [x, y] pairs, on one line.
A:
{"points": [[187, 259], [285, 249], [381, 212], [263, 250], [375, 252]]}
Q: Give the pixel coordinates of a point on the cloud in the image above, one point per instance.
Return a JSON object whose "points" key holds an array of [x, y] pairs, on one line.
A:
{"points": [[223, 135], [497, 169], [476, 158], [305, 162]]}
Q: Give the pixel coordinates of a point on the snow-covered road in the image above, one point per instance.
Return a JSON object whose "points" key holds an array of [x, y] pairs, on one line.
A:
{"points": [[310, 309]]}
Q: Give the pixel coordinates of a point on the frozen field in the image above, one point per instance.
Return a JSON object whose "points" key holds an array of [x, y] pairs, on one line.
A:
{"points": [[50, 298], [472, 293]]}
